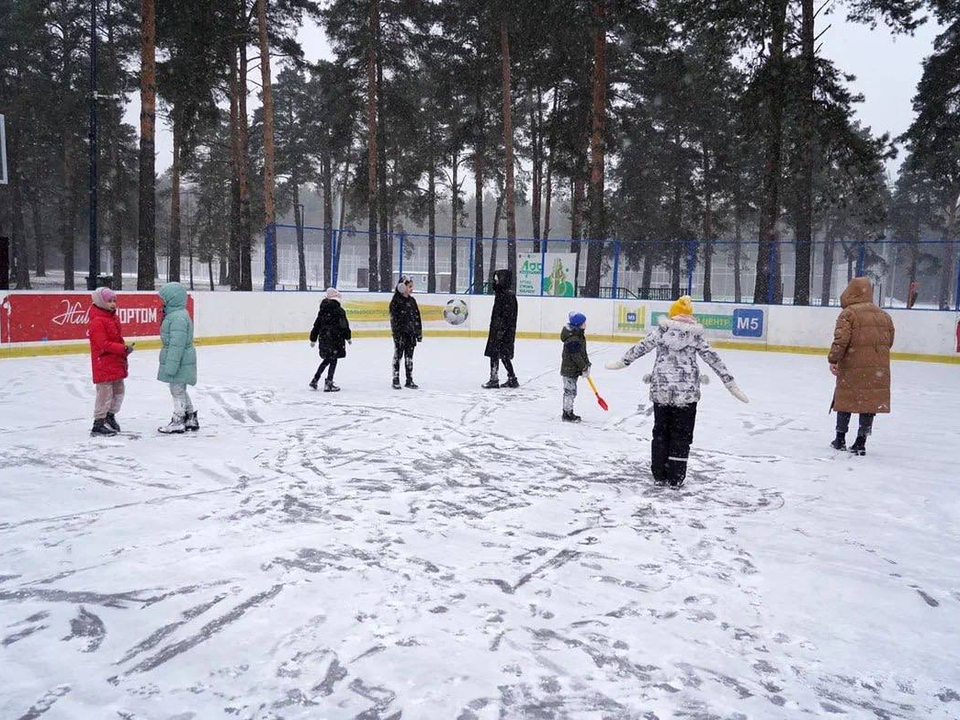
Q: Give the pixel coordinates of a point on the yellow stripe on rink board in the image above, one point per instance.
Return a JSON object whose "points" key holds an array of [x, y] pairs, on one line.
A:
{"points": [[41, 350]]}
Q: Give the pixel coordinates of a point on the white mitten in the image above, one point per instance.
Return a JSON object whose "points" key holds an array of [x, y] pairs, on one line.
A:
{"points": [[736, 391], [615, 365]]}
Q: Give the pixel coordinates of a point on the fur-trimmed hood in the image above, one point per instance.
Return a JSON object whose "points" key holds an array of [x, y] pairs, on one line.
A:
{"points": [[678, 334]]}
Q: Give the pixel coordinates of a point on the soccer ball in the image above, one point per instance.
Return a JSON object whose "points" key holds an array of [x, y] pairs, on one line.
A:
{"points": [[455, 312]]}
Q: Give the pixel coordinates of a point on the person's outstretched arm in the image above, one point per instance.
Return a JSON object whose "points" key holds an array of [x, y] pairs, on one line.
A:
{"points": [[637, 351], [711, 358]]}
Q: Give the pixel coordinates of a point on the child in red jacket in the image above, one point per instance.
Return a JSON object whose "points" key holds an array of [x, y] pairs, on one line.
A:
{"points": [[108, 356]]}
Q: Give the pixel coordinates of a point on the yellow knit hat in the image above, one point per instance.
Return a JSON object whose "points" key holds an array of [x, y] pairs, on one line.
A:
{"points": [[683, 306]]}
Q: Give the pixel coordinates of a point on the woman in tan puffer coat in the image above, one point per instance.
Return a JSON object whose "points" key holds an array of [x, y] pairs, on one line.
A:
{"points": [[860, 359]]}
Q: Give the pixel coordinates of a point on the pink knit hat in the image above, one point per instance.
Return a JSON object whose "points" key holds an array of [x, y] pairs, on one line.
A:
{"points": [[333, 293], [103, 295]]}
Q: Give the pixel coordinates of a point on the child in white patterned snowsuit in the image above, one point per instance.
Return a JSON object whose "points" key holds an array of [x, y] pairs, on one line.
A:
{"points": [[675, 387]]}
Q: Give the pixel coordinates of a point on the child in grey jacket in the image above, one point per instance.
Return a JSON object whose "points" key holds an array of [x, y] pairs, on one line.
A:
{"points": [[675, 387]]}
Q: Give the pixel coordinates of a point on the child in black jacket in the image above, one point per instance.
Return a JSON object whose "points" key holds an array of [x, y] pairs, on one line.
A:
{"points": [[331, 330], [407, 329]]}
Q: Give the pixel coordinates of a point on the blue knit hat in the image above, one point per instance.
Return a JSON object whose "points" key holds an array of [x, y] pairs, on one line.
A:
{"points": [[577, 320]]}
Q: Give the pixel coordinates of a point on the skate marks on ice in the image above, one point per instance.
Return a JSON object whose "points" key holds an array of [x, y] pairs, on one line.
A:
{"points": [[439, 566]]}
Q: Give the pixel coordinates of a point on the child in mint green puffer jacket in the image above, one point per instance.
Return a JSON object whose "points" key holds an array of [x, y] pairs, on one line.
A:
{"points": [[178, 358]]}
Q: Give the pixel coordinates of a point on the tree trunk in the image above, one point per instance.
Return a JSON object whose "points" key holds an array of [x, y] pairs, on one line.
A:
{"points": [[39, 237], [432, 218], [737, 245], [326, 177], [70, 227], [21, 256], [147, 240], [298, 222], [246, 271], [804, 233], [210, 273], [386, 238], [576, 226], [827, 277], [947, 274], [454, 219], [597, 150], [677, 249], [174, 249], [646, 277], [772, 112], [536, 185], [478, 179], [234, 242], [508, 151], [551, 145], [373, 33], [707, 225], [269, 212], [343, 196], [114, 123], [116, 215], [498, 211], [478, 222]]}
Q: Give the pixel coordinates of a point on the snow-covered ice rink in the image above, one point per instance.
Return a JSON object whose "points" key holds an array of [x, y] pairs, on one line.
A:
{"points": [[459, 553]]}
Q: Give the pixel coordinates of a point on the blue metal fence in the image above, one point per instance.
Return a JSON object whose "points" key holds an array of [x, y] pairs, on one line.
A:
{"points": [[924, 274]]}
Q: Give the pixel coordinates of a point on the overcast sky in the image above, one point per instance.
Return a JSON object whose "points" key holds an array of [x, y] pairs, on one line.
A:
{"points": [[887, 69]]}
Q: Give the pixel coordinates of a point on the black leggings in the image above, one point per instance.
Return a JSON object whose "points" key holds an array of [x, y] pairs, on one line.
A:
{"points": [[495, 367], [403, 347], [332, 364], [672, 434]]}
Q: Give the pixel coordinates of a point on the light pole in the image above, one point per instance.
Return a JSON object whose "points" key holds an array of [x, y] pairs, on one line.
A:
{"points": [[94, 265]]}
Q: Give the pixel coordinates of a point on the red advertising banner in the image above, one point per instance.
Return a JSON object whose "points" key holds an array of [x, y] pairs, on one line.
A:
{"points": [[37, 317]]}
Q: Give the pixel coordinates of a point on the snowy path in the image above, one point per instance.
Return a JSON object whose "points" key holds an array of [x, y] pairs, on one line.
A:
{"points": [[459, 553]]}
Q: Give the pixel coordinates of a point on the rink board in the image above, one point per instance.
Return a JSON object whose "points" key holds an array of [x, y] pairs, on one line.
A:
{"points": [[33, 323]]}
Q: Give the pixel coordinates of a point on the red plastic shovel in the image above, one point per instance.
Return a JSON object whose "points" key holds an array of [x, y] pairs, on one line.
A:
{"points": [[600, 400]]}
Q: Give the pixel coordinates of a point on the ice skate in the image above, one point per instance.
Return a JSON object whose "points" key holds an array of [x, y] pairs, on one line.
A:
{"points": [[313, 384], [396, 382], [176, 426], [411, 384], [491, 384], [330, 387], [511, 382], [570, 417], [191, 423]]}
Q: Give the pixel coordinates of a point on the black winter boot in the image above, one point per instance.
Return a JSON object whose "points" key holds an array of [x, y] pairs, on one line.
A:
{"points": [[100, 427], [313, 384], [570, 417], [192, 423], [330, 387], [111, 422], [859, 447], [840, 443], [511, 382], [411, 384], [396, 382], [491, 384]]}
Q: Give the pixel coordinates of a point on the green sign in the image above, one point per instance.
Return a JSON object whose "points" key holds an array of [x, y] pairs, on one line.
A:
{"points": [[720, 323]]}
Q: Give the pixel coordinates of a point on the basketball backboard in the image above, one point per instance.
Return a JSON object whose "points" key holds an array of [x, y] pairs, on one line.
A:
{"points": [[3, 153]]}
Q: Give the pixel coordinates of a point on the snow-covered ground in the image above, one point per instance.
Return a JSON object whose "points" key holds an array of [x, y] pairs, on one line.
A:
{"points": [[459, 553]]}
